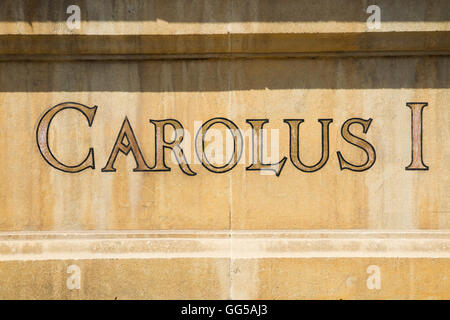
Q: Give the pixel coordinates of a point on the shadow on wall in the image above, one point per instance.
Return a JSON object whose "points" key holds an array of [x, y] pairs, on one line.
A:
{"points": [[210, 11], [224, 75]]}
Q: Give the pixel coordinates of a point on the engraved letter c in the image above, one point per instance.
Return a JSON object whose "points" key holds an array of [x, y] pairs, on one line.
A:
{"points": [[42, 136]]}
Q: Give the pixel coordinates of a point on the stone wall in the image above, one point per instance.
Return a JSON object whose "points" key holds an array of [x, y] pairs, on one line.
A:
{"points": [[377, 233]]}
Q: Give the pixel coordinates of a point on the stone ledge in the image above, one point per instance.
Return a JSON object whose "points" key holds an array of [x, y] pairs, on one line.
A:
{"points": [[232, 245], [224, 265], [141, 17]]}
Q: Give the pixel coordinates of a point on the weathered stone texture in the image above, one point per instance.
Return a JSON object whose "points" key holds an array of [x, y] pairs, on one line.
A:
{"points": [[239, 234]]}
